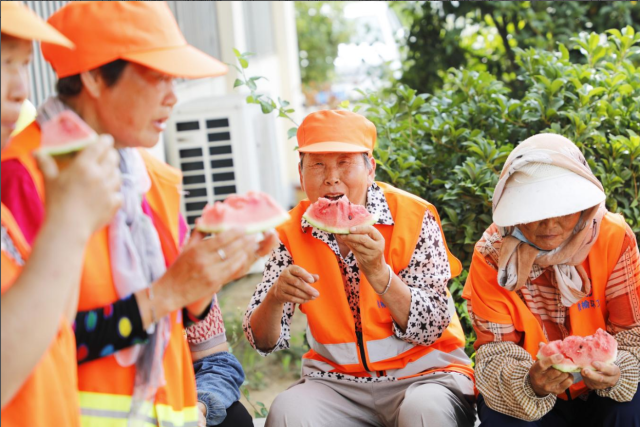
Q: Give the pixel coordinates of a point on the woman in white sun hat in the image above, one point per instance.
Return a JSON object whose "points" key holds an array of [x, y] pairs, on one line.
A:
{"points": [[554, 263]]}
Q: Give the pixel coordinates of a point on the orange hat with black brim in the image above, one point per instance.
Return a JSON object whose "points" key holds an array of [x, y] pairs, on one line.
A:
{"points": [[21, 22], [143, 32]]}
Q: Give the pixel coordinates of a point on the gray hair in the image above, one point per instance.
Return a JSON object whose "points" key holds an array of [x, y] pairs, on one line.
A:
{"points": [[365, 157]]}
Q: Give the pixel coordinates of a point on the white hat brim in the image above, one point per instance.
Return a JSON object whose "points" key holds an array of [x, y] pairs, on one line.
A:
{"points": [[549, 198]]}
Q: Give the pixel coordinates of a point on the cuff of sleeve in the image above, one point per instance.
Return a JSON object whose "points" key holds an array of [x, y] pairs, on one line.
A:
{"points": [[410, 335], [281, 344], [627, 384], [216, 412]]}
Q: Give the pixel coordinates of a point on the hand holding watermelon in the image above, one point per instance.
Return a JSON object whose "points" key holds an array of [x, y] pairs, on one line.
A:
{"points": [[367, 245], [545, 379], [606, 376]]}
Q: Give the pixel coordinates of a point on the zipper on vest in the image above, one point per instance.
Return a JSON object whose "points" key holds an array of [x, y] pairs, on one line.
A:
{"points": [[361, 346]]}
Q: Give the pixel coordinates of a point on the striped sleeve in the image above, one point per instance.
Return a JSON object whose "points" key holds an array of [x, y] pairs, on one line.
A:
{"points": [[623, 304], [502, 376]]}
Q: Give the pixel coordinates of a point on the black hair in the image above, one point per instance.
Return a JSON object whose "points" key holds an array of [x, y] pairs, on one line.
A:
{"points": [[71, 86]]}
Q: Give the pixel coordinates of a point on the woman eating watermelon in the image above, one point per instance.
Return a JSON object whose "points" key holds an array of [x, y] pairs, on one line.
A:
{"points": [[387, 347], [555, 265], [142, 273], [39, 281]]}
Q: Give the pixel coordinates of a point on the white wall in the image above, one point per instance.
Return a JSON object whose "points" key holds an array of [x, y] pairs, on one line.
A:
{"points": [[281, 69]]}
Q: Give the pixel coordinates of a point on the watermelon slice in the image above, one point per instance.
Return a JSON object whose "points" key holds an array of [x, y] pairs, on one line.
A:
{"points": [[581, 352], [66, 134], [337, 216], [255, 212]]}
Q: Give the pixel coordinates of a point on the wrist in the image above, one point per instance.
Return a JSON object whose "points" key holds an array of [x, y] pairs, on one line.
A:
{"points": [[73, 231], [165, 300], [379, 279]]}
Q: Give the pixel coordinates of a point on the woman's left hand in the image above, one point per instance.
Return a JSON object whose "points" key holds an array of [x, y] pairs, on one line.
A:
{"points": [[606, 376], [367, 245]]}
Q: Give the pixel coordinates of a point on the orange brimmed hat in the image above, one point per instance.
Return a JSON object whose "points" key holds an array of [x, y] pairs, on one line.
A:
{"points": [[20, 21], [336, 131], [143, 32]]}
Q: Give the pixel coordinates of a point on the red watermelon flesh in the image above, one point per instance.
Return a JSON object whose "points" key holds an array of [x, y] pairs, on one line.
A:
{"points": [[66, 133], [254, 212], [581, 352], [337, 216]]}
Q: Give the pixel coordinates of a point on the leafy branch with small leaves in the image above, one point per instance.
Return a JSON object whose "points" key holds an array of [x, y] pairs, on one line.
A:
{"points": [[267, 104]]}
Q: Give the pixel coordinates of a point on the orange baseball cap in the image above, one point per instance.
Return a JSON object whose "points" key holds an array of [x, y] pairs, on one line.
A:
{"points": [[143, 32], [20, 21], [336, 131]]}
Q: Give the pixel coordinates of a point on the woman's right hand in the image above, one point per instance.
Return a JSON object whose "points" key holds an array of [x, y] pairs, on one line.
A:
{"points": [[85, 195], [545, 379], [203, 268]]}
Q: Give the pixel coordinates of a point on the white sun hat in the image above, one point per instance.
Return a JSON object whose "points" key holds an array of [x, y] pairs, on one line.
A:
{"points": [[540, 191]]}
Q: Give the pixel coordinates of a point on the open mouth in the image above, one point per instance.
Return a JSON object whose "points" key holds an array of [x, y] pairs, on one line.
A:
{"points": [[333, 196]]}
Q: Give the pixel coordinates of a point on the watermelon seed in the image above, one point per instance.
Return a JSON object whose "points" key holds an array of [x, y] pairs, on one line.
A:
{"points": [[350, 217]]}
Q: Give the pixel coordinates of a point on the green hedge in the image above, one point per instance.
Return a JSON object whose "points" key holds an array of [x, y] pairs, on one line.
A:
{"points": [[449, 147]]}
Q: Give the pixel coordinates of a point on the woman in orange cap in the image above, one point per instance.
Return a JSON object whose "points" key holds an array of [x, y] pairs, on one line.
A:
{"points": [[38, 362], [121, 82]]}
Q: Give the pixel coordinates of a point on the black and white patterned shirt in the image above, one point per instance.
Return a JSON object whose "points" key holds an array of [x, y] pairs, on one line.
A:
{"points": [[426, 275]]}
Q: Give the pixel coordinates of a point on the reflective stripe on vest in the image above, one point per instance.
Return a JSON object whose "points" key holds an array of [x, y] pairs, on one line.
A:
{"points": [[101, 409]]}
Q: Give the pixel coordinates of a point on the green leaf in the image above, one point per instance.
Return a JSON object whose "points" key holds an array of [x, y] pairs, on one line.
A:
{"points": [[251, 84], [243, 63], [344, 104], [292, 132], [556, 85], [266, 106], [564, 51], [237, 53], [237, 83]]}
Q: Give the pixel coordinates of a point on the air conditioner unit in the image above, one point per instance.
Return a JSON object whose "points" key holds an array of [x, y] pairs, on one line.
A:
{"points": [[224, 146]]}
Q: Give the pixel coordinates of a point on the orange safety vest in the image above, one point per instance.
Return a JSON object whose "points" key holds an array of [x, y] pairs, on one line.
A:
{"points": [[492, 302], [49, 396], [105, 386], [331, 332]]}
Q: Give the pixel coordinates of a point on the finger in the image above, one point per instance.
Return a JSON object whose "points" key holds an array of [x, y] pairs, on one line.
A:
{"points": [[553, 378], [360, 239], [93, 152], [234, 265], [297, 291], [267, 244], [222, 240], [606, 368], [47, 166], [294, 299], [547, 362], [552, 375], [564, 385], [195, 238], [308, 290], [297, 271], [368, 230]]}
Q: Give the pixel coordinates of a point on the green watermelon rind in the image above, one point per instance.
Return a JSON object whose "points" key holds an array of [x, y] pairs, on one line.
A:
{"points": [[317, 224], [253, 228], [63, 150]]}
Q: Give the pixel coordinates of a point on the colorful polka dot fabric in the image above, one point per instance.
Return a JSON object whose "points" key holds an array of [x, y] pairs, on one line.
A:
{"points": [[102, 332]]}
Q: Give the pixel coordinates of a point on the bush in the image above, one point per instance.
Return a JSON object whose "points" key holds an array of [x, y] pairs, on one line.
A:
{"points": [[449, 148]]}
